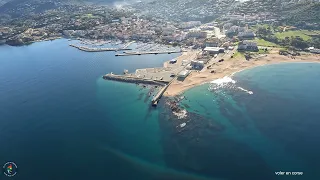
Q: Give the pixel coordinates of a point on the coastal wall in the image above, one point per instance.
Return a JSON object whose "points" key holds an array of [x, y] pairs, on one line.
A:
{"points": [[132, 80]]}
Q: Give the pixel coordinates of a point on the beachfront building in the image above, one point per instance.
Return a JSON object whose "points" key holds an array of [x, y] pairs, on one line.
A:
{"points": [[183, 74], [198, 65], [248, 46], [212, 50], [314, 50]]}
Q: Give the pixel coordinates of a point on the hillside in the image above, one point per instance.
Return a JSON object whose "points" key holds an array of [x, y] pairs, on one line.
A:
{"points": [[186, 10], [306, 12]]}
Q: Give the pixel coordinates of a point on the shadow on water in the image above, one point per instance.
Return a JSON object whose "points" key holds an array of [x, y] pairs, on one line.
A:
{"points": [[152, 171], [201, 147], [140, 96]]}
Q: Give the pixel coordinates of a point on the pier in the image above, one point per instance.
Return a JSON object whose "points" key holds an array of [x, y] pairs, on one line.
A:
{"points": [[89, 49], [147, 52], [156, 98]]}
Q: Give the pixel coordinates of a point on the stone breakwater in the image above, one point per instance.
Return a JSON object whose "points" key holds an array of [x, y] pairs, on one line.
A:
{"points": [[135, 80]]}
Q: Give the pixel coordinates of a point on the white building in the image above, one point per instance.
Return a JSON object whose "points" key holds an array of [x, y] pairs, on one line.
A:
{"points": [[183, 74], [314, 50], [212, 50], [197, 64]]}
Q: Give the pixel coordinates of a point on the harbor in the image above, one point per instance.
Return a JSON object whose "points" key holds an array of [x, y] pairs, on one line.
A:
{"points": [[101, 49], [160, 76], [147, 52], [137, 80]]}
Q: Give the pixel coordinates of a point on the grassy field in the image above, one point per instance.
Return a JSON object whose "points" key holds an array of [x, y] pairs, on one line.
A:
{"points": [[238, 55], [311, 33], [262, 51], [262, 42], [283, 35], [88, 16]]}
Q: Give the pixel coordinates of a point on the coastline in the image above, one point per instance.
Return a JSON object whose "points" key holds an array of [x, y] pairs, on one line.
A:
{"points": [[230, 67], [17, 44]]}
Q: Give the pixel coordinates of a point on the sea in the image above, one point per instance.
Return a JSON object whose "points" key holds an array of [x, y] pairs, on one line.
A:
{"points": [[60, 120]]}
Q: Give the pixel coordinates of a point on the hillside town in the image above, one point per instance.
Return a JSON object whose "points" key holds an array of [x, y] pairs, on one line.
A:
{"points": [[232, 23]]}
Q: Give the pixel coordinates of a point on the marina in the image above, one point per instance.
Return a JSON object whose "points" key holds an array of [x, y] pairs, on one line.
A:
{"points": [[147, 52], [101, 49]]}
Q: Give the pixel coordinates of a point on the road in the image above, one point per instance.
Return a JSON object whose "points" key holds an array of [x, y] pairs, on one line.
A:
{"points": [[225, 56]]}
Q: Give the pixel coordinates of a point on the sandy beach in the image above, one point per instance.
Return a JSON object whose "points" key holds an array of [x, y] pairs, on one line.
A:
{"points": [[230, 66]]}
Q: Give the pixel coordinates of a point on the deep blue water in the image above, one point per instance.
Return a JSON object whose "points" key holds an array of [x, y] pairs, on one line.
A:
{"points": [[60, 120]]}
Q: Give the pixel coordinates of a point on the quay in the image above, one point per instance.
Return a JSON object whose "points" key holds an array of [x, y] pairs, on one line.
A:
{"points": [[137, 80], [156, 98], [147, 52], [88, 49]]}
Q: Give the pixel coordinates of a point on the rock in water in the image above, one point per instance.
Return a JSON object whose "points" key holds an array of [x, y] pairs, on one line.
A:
{"points": [[183, 125]]}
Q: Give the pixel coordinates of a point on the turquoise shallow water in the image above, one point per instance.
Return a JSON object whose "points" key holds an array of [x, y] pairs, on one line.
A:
{"points": [[61, 120], [274, 129]]}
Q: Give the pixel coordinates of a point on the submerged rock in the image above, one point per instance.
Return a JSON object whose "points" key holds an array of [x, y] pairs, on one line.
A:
{"points": [[183, 125]]}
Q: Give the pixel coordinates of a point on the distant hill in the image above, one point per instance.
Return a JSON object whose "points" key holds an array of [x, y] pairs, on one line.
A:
{"points": [[290, 11], [302, 12]]}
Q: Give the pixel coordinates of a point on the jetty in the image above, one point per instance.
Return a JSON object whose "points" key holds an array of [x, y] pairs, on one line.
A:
{"points": [[130, 79], [137, 80], [92, 49], [156, 98], [147, 52]]}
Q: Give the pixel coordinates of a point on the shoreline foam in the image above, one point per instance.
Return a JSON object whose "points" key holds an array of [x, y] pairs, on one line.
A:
{"points": [[230, 67]]}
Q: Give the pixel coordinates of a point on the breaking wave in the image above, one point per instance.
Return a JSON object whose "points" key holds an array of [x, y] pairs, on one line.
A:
{"points": [[221, 83], [226, 82]]}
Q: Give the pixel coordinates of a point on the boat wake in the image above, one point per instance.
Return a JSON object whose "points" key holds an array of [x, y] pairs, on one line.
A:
{"points": [[247, 91]]}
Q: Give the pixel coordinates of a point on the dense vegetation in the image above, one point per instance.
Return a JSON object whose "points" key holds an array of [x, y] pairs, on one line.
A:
{"points": [[303, 14], [299, 39]]}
